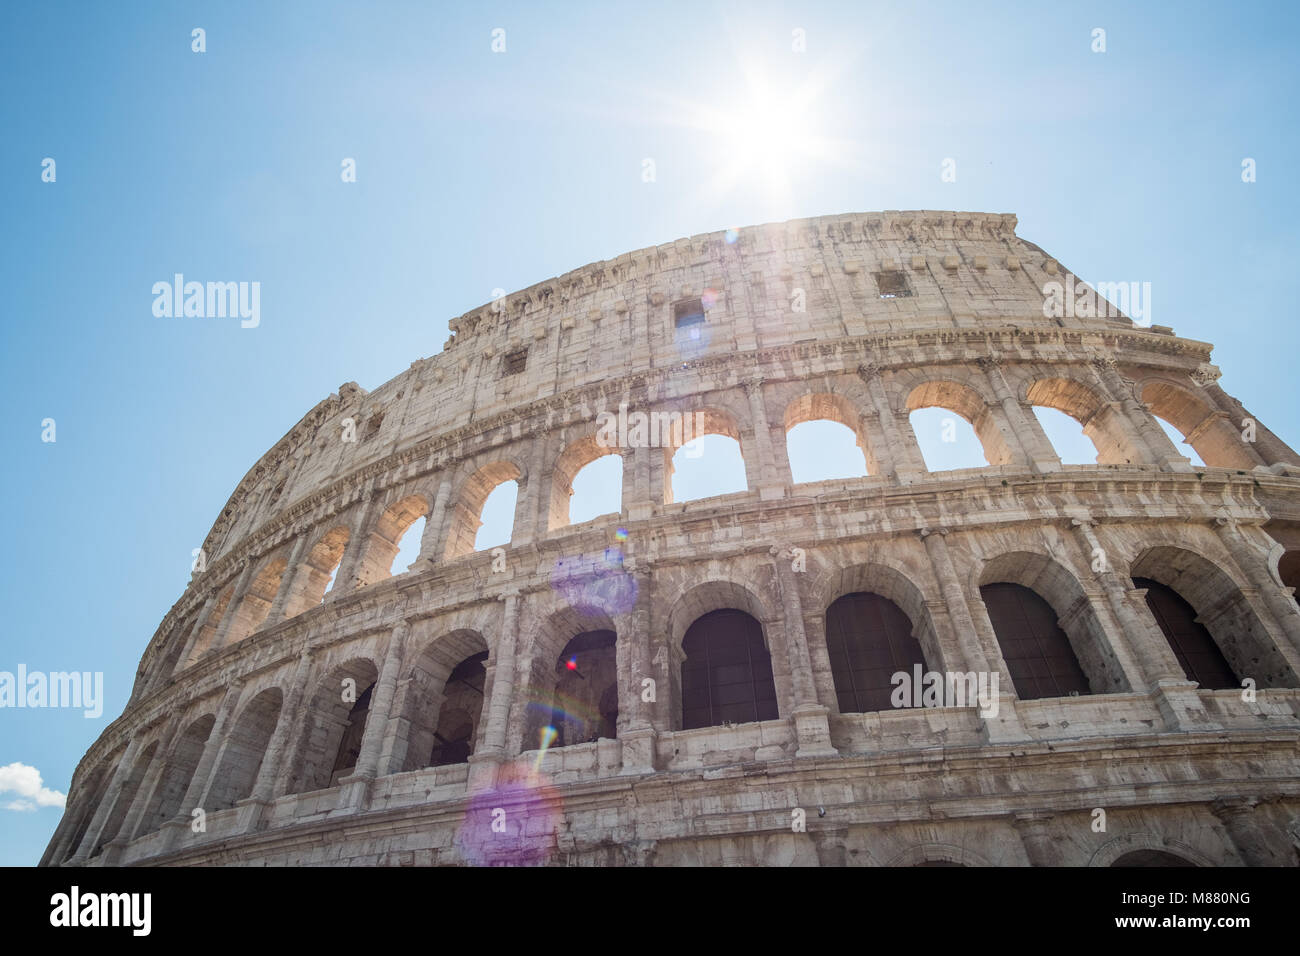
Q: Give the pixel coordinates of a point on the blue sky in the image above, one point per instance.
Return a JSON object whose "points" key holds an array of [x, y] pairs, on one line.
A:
{"points": [[479, 170]]}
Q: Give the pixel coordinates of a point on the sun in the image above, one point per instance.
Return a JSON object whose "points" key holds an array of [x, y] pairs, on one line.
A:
{"points": [[770, 136]]}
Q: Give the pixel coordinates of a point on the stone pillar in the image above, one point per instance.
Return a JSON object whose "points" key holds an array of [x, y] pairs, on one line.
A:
{"points": [[199, 623], [1256, 839], [432, 542], [358, 538], [276, 614], [1115, 436], [980, 655], [812, 727], [954, 597], [1024, 429], [1155, 657], [1254, 565], [1180, 706], [637, 499], [773, 471], [902, 458], [270, 778], [232, 609], [111, 795], [532, 505], [1161, 449], [354, 789], [1035, 829], [484, 761]]}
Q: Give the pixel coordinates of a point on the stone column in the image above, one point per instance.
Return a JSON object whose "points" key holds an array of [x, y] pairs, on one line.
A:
{"points": [[812, 726], [1035, 829], [354, 789], [270, 779], [276, 614], [531, 507], [111, 796], [1256, 839], [955, 599], [1254, 564], [484, 761], [1024, 429], [199, 623], [358, 538], [773, 469], [636, 501], [432, 542], [1158, 445], [1155, 656], [232, 609], [902, 458], [978, 654]]}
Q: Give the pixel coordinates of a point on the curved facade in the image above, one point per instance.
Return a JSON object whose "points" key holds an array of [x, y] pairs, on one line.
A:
{"points": [[705, 682]]}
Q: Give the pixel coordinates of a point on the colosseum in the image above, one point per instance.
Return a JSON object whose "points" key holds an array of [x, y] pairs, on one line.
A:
{"points": [[1103, 659]]}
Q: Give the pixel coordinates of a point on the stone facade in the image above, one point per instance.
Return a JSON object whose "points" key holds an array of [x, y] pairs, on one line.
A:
{"points": [[237, 710]]}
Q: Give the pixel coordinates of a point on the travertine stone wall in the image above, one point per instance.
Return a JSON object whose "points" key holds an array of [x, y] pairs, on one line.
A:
{"points": [[236, 709]]}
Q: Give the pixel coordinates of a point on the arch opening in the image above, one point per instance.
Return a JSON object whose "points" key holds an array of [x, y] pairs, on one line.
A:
{"points": [[945, 444], [177, 775], [335, 726], [1039, 657], [1217, 441], [577, 701], [484, 514], [125, 797], [869, 640], [726, 671], [241, 759], [440, 715], [1199, 656]]}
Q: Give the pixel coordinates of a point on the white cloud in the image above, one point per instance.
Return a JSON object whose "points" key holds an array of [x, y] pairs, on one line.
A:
{"points": [[25, 782]]}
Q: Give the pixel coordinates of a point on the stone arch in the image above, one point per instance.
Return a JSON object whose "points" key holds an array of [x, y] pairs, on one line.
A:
{"points": [[972, 405], [1216, 438], [90, 795], [1222, 608], [384, 539], [208, 629], [1114, 850], [575, 456], [726, 671], [696, 421], [313, 576], [432, 694], [833, 407], [466, 514], [869, 577], [715, 595], [1102, 422], [333, 726], [940, 854], [113, 824], [256, 605], [245, 747], [178, 773], [539, 678], [1058, 585]]}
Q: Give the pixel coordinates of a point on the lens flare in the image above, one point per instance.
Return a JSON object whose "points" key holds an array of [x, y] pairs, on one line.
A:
{"points": [[513, 822]]}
